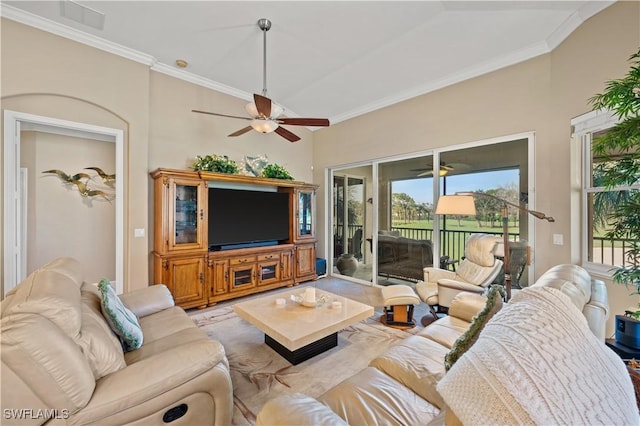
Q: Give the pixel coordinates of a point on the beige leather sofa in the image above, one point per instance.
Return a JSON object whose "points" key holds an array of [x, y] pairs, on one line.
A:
{"points": [[400, 386], [61, 364]]}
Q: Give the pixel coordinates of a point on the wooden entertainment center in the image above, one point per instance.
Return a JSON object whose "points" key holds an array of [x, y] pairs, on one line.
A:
{"points": [[198, 277]]}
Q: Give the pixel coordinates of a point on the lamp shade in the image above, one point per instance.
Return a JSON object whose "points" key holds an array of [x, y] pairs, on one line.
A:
{"points": [[456, 204]]}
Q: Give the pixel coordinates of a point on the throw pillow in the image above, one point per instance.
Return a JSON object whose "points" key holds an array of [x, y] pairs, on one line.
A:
{"points": [[122, 321], [468, 338]]}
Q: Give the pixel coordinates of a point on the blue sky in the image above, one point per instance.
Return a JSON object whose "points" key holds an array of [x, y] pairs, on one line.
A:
{"points": [[421, 190]]}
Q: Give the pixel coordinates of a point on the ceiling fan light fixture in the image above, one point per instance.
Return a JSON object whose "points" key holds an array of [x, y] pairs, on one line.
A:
{"points": [[264, 126], [252, 110]]}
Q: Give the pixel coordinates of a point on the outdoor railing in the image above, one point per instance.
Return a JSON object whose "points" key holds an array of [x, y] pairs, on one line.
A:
{"points": [[608, 251], [605, 251]]}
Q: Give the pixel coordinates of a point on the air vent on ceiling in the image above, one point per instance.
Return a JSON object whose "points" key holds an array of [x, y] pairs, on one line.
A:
{"points": [[82, 14]]}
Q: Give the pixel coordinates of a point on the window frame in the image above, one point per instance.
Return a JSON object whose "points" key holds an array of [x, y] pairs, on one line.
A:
{"points": [[584, 127]]}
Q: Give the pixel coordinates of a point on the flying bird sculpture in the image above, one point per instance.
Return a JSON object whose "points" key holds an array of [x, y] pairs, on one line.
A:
{"points": [[86, 192], [106, 178], [66, 178]]}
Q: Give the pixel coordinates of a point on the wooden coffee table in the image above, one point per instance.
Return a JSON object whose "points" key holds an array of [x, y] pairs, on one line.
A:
{"points": [[298, 332]]}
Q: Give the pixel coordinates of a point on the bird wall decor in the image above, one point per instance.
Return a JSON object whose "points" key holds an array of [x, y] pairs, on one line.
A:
{"points": [[107, 179], [87, 192], [66, 178], [82, 185]]}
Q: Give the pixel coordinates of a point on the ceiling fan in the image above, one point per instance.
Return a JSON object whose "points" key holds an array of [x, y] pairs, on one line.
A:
{"points": [[444, 169], [265, 115]]}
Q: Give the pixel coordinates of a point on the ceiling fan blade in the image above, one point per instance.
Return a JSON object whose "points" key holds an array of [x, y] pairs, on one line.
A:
{"points": [[220, 115], [287, 134], [241, 131], [297, 121], [263, 105], [428, 173]]}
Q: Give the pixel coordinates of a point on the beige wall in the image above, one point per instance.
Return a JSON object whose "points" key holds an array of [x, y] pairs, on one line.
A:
{"points": [[540, 95], [51, 76], [60, 221]]}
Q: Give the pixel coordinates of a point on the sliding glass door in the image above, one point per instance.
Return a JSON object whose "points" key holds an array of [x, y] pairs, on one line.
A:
{"points": [[383, 214], [351, 223]]}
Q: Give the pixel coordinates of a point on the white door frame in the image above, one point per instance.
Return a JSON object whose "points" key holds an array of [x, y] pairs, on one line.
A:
{"points": [[14, 123]]}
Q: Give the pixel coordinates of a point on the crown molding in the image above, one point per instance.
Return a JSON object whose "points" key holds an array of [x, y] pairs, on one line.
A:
{"points": [[575, 20], [70, 33], [451, 79], [201, 81]]}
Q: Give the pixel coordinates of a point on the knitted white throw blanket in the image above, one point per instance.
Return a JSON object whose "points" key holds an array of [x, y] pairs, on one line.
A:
{"points": [[537, 362]]}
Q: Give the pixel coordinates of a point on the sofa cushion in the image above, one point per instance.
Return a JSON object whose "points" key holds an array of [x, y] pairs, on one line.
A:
{"points": [[445, 331], [52, 294], [47, 368], [373, 398], [464, 342], [415, 362], [306, 411], [164, 323], [99, 344], [537, 362], [122, 321]]}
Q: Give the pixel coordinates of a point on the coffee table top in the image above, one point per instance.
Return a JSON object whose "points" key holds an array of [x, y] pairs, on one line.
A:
{"points": [[293, 325]]}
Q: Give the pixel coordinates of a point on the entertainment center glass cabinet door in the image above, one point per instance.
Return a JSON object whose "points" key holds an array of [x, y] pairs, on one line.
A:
{"points": [[180, 215], [305, 209]]}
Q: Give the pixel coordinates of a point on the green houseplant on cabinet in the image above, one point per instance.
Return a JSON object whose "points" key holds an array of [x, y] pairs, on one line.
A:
{"points": [[620, 149]]}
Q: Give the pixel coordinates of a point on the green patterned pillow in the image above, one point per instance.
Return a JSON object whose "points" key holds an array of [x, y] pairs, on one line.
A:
{"points": [[464, 342], [122, 321]]}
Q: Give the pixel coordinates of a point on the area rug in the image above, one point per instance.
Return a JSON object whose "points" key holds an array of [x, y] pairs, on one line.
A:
{"points": [[259, 374]]}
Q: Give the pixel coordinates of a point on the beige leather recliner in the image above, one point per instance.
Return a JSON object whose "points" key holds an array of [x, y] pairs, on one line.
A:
{"points": [[61, 364], [478, 269]]}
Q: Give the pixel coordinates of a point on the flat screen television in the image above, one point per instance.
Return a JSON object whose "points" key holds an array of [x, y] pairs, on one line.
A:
{"points": [[245, 218]]}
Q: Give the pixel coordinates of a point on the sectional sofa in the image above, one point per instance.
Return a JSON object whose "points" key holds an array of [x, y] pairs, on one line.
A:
{"points": [[61, 363], [540, 360]]}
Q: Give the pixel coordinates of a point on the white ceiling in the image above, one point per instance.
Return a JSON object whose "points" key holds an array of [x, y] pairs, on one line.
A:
{"points": [[324, 59]]}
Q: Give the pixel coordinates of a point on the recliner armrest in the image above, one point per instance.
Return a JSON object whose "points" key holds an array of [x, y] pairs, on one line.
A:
{"points": [[152, 377], [148, 300], [435, 274]]}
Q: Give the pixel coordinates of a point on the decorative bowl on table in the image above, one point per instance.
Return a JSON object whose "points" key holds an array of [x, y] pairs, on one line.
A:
{"points": [[299, 299]]}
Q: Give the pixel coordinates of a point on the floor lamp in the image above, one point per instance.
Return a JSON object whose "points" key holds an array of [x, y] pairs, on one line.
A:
{"points": [[463, 203]]}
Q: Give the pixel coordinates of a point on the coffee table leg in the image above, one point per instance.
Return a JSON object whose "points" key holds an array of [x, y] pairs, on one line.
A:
{"points": [[305, 352]]}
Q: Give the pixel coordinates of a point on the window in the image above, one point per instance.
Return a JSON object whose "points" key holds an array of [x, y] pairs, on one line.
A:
{"points": [[597, 202]]}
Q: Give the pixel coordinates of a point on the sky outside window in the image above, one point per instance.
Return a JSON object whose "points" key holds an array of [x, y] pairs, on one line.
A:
{"points": [[421, 189]]}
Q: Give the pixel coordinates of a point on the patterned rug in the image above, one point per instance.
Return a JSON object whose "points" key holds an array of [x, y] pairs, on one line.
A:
{"points": [[259, 374]]}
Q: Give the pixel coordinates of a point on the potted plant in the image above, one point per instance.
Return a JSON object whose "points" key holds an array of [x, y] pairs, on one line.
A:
{"points": [[215, 163], [620, 149], [275, 171]]}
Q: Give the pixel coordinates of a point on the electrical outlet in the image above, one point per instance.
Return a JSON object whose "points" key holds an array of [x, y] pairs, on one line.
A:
{"points": [[138, 232], [557, 239]]}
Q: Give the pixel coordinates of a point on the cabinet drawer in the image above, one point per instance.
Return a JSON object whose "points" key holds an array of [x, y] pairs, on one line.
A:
{"points": [[270, 256], [241, 260]]}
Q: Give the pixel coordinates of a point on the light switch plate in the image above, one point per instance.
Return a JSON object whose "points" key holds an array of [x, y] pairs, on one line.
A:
{"points": [[138, 232], [557, 239]]}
